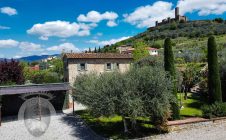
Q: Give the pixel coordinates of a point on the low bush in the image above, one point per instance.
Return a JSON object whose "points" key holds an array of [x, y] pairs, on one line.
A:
{"points": [[216, 109]]}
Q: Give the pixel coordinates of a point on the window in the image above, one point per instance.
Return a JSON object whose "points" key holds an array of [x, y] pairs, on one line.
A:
{"points": [[108, 66], [82, 67]]}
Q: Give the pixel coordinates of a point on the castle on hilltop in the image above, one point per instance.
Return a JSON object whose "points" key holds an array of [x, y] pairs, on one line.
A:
{"points": [[178, 18]]}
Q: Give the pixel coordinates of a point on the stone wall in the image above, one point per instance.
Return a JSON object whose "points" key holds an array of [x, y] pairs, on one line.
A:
{"points": [[94, 65]]}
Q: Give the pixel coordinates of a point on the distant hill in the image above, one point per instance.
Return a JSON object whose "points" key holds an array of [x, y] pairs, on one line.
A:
{"points": [[32, 58], [36, 57]]}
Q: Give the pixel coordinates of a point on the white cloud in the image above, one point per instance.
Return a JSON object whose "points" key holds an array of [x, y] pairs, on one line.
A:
{"points": [[64, 47], [108, 42], [99, 34], [111, 23], [43, 38], [9, 43], [17, 56], [59, 28], [4, 27], [8, 10], [203, 7], [24, 46], [95, 17], [28, 46], [145, 16]]}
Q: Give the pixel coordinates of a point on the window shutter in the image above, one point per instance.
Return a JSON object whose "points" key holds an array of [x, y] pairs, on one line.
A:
{"points": [[78, 67], [85, 66], [114, 66], [105, 66]]}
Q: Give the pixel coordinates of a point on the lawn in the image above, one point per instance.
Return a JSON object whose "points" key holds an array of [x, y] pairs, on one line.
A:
{"points": [[191, 106]]}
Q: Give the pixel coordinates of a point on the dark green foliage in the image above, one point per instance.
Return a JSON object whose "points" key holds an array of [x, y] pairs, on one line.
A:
{"points": [[157, 46], [95, 50], [219, 20], [173, 26], [170, 68], [217, 109], [214, 83], [99, 50], [89, 50], [223, 73], [11, 73], [150, 61]]}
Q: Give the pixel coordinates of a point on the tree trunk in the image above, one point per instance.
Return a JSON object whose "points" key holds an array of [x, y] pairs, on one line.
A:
{"points": [[134, 123], [125, 125], [186, 93]]}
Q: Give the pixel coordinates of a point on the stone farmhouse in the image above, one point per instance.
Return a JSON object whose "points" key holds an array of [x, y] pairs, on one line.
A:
{"points": [[80, 63]]}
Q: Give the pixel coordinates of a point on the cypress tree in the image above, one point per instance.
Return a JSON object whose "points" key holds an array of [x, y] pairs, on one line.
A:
{"points": [[169, 67], [214, 83], [89, 50], [99, 50], [169, 58], [95, 50]]}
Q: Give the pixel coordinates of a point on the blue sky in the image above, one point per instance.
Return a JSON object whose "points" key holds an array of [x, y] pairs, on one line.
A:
{"points": [[36, 27]]}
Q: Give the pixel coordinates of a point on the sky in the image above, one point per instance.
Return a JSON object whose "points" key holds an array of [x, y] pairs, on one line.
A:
{"points": [[45, 27]]}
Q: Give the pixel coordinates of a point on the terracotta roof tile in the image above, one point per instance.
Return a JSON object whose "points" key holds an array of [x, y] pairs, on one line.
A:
{"points": [[98, 55]]}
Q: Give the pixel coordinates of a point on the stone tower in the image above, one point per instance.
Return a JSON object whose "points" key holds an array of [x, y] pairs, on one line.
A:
{"points": [[177, 12]]}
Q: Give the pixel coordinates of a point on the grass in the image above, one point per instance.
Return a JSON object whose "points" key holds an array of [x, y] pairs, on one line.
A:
{"points": [[113, 128], [191, 106]]}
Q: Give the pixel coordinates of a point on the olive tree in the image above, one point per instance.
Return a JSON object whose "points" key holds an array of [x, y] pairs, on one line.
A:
{"points": [[141, 92]]}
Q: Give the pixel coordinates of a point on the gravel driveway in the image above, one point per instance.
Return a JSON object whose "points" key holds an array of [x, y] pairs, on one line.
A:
{"points": [[62, 127], [204, 132]]}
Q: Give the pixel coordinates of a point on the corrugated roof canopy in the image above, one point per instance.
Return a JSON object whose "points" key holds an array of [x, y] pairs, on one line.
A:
{"points": [[98, 56], [20, 89]]}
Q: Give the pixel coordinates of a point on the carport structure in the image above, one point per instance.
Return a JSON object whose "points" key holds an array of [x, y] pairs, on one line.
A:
{"points": [[10, 96]]}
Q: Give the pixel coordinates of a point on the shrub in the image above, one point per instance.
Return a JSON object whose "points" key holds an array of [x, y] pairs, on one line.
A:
{"points": [[216, 109]]}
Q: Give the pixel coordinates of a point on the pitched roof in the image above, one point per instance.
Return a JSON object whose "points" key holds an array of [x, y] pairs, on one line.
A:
{"points": [[20, 89], [98, 56]]}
